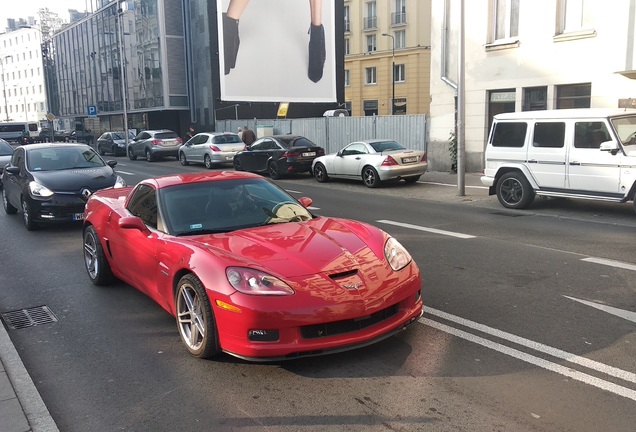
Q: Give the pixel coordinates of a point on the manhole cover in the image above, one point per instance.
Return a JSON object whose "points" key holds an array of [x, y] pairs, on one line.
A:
{"points": [[23, 318]]}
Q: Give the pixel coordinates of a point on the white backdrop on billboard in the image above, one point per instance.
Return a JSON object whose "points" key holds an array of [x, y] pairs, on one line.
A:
{"points": [[273, 54]]}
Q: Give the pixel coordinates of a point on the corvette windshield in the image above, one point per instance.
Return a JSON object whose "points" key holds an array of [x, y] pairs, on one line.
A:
{"points": [[227, 205]]}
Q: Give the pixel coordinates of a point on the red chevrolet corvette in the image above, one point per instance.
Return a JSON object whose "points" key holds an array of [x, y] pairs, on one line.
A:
{"points": [[247, 269]]}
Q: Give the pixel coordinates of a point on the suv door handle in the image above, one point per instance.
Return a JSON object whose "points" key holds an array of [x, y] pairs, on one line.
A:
{"points": [[575, 163]]}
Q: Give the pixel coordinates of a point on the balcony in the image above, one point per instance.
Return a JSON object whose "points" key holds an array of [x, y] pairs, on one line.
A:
{"points": [[398, 18], [370, 23]]}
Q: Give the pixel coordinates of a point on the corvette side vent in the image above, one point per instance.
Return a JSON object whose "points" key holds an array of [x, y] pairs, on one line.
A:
{"points": [[24, 318], [343, 274]]}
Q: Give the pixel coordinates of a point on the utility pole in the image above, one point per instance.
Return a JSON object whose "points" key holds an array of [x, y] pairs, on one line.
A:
{"points": [[392, 71], [120, 30]]}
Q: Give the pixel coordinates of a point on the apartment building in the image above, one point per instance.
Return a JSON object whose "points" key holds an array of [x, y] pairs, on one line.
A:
{"points": [[23, 84], [520, 56], [387, 56]]}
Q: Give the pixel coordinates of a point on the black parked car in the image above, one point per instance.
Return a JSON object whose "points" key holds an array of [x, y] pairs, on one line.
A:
{"points": [[278, 155], [5, 156], [114, 143], [51, 182]]}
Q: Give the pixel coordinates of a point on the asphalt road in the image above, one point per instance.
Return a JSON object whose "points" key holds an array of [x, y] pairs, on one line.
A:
{"points": [[530, 325]]}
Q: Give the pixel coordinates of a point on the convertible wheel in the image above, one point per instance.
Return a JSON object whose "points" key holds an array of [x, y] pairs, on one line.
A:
{"points": [[27, 217], [131, 154], [96, 263], [149, 156], [195, 319], [273, 171], [207, 162], [8, 208], [320, 173], [412, 179], [514, 191], [182, 159], [237, 165], [370, 177]]}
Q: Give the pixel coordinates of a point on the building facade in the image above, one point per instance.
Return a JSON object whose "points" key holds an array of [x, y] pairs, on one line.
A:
{"points": [[387, 54], [23, 85], [520, 57]]}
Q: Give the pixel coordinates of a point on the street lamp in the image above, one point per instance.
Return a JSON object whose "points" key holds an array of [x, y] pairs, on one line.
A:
{"points": [[120, 16], [392, 71], [4, 87]]}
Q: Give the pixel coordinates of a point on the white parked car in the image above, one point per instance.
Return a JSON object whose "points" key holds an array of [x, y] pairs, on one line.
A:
{"points": [[578, 153], [372, 161], [211, 148]]}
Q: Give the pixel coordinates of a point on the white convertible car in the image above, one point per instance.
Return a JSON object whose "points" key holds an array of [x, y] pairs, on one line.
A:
{"points": [[372, 161]]}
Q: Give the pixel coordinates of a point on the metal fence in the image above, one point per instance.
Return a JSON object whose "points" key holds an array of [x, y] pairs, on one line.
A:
{"points": [[333, 133]]}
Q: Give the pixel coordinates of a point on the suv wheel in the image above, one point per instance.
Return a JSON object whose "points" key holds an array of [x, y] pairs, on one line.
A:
{"points": [[131, 154], [514, 191]]}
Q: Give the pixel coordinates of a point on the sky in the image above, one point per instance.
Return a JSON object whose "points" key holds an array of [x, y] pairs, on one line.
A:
{"points": [[27, 8]]}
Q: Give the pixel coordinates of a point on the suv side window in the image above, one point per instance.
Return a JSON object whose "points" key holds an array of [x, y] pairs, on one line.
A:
{"points": [[590, 134], [509, 134], [549, 134]]}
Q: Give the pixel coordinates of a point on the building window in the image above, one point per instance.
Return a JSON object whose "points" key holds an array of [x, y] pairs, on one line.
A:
{"points": [[347, 47], [535, 98], [400, 39], [500, 101], [399, 106], [346, 78], [371, 43], [347, 20], [505, 19], [574, 16], [399, 72], [399, 16], [573, 96], [370, 107], [370, 75], [371, 20]]}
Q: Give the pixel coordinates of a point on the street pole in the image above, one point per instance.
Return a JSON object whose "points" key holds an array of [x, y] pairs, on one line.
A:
{"points": [[392, 71], [4, 88], [120, 16]]}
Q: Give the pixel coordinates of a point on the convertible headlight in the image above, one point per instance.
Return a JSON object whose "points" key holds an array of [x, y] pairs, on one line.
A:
{"points": [[250, 281], [396, 255], [120, 182], [39, 191]]}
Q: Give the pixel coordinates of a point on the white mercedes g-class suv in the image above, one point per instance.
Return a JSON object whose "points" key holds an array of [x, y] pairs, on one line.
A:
{"points": [[573, 153]]}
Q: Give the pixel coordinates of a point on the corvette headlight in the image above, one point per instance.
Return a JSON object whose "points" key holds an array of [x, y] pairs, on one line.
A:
{"points": [[39, 191], [396, 255], [255, 282], [120, 182]]}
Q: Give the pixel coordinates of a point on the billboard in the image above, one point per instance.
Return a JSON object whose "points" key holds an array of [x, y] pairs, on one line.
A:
{"points": [[277, 50]]}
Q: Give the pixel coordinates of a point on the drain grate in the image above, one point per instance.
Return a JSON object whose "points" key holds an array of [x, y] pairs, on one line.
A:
{"points": [[24, 318]]}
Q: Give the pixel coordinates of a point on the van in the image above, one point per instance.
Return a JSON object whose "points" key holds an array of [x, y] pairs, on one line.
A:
{"points": [[573, 153], [20, 132]]}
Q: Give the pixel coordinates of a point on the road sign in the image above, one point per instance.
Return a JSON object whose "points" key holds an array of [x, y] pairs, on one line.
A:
{"points": [[50, 117], [92, 111]]}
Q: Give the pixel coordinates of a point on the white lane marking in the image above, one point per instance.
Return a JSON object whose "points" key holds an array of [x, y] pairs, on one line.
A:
{"points": [[448, 184], [555, 352], [431, 230], [313, 208], [575, 375], [293, 191], [621, 313], [124, 172], [611, 263]]}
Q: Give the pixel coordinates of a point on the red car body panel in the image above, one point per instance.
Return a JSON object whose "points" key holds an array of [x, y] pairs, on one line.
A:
{"points": [[336, 267]]}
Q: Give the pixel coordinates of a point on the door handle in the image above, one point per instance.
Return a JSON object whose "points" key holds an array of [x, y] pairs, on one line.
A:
{"points": [[575, 163], [358, 158]]}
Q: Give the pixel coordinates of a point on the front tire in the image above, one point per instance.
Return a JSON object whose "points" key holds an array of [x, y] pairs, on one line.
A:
{"points": [[237, 165], [514, 191], [273, 170], [96, 264], [182, 159], [149, 156], [27, 216], [8, 208], [195, 320], [131, 154], [207, 162], [370, 177], [320, 173]]}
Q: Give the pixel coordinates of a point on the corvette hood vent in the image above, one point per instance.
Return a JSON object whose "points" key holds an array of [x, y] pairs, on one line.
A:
{"points": [[343, 275]]}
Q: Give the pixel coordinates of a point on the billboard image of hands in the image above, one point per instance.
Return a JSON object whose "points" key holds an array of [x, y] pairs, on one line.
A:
{"points": [[277, 50]]}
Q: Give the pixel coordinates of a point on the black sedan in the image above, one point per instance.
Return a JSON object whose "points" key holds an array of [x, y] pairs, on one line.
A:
{"points": [[278, 155], [113, 143], [51, 182]]}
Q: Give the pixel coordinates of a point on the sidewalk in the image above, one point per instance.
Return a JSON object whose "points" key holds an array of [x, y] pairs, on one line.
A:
{"points": [[21, 406]]}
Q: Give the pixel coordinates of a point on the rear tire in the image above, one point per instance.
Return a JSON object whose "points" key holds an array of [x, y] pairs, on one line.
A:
{"points": [[149, 156], [96, 264], [207, 162], [131, 154], [8, 208], [514, 191], [237, 165], [320, 173], [370, 177], [183, 160], [273, 171]]}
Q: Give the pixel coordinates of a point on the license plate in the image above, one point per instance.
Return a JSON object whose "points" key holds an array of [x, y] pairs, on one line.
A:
{"points": [[409, 159], [308, 154], [229, 158], [78, 216]]}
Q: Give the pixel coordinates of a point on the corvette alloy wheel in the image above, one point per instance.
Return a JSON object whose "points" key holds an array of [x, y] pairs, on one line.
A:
{"points": [[195, 319]]}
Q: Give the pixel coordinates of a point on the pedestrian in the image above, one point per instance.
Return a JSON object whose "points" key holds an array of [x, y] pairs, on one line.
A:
{"points": [[190, 133], [240, 133], [248, 136]]}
